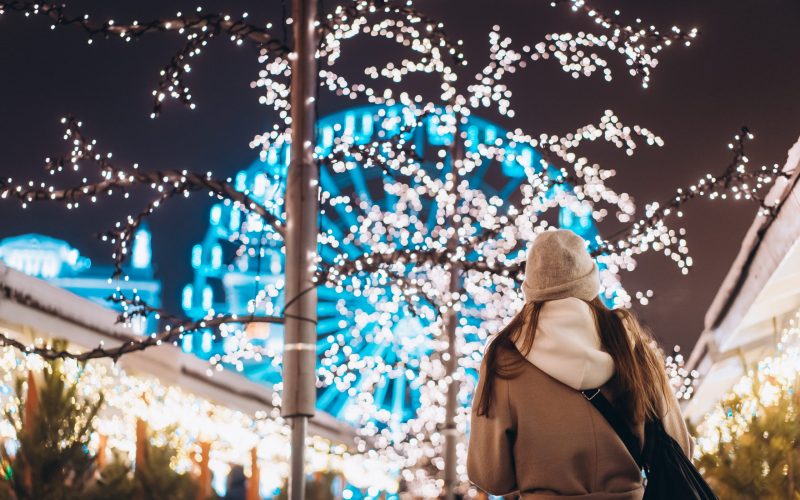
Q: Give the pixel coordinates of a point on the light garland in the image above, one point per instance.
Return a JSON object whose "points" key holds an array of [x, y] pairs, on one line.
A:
{"points": [[683, 381], [403, 263], [191, 420], [120, 181], [410, 28], [639, 43], [199, 28], [760, 386], [737, 182], [400, 243]]}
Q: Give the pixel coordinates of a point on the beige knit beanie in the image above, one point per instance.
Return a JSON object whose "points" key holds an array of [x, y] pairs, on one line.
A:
{"points": [[559, 266]]}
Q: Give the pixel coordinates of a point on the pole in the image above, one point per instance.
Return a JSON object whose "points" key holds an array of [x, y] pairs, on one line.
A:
{"points": [[302, 208], [450, 430]]}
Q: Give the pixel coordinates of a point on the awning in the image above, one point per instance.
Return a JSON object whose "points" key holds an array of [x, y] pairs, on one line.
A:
{"points": [[36, 309], [760, 292]]}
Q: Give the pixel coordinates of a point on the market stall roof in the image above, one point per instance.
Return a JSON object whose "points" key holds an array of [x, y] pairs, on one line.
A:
{"points": [[34, 308], [760, 291]]}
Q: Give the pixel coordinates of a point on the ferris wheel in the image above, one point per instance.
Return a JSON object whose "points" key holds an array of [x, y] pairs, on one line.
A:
{"points": [[239, 258]]}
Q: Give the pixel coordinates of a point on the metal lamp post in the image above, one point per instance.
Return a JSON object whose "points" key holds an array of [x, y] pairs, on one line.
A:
{"points": [[302, 209]]}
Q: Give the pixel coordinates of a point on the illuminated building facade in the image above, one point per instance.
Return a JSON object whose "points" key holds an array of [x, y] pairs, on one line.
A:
{"points": [[57, 262]]}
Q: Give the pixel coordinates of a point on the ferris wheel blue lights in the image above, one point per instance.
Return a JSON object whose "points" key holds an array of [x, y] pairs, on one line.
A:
{"points": [[239, 259]]}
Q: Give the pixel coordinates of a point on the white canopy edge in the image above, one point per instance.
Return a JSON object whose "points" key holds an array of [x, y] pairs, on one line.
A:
{"points": [[32, 308], [761, 289]]}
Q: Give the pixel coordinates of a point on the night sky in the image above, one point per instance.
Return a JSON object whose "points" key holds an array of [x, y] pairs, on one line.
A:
{"points": [[741, 71]]}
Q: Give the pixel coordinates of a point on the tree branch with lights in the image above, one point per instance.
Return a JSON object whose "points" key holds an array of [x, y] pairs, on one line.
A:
{"points": [[199, 29], [428, 260], [166, 184]]}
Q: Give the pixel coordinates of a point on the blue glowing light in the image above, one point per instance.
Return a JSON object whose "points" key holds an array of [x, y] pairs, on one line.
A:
{"points": [[61, 265], [142, 254], [399, 338]]}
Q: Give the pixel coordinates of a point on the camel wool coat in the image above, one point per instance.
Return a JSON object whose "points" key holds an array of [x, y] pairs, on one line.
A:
{"points": [[543, 440]]}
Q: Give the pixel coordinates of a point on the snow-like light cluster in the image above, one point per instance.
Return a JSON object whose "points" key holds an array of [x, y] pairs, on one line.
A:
{"points": [[761, 386], [410, 260], [184, 420]]}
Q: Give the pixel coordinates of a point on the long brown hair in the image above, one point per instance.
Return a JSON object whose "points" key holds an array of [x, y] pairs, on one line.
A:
{"points": [[640, 381]]}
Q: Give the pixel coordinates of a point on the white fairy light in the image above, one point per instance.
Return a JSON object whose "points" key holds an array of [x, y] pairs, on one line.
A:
{"points": [[405, 265]]}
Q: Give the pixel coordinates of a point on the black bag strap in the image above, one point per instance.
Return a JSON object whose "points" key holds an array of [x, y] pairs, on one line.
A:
{"points": [[617, 422]]}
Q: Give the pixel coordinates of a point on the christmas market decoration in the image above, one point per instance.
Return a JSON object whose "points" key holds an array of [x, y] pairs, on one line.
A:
{"points": [[53, 425], [171, 424], [749, 445], [391, 261], [419, 249], [762, 462], [636, 43], [157, 477], [153, 477], [113, 480]]}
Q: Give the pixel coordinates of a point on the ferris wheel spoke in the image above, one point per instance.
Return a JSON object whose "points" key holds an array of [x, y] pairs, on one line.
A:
{"points": [[360, 185], [399, 394], [380, 391], [327, 308], [327, 397], [512, 186], [328, 325], [328, 293], [327, 253]]}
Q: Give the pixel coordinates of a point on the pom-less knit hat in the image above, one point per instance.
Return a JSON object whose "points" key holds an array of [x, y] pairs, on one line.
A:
{"points": [[559, 266]]}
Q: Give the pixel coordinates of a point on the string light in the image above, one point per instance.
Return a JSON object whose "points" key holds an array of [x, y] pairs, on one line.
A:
{"points": [[402, 243], [498, 249], [167, 184], [134, 308], [183, 420], [401, 263], [683, 381], [639, 43], [760, 387], [198, 28]]}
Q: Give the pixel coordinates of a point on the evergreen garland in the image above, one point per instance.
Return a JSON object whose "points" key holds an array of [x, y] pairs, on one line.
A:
{"points": [[52, 460], [114, 481], [158, 480], [763, 461]]}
